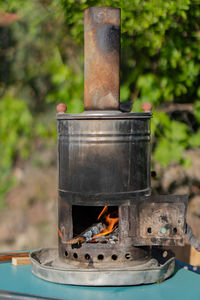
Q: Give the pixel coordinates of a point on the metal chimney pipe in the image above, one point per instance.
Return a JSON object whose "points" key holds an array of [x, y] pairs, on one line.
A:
{"points": [[102, 30]]}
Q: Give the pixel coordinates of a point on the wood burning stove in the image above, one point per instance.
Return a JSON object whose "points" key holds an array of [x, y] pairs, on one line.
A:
{"points": [[110, 228]]}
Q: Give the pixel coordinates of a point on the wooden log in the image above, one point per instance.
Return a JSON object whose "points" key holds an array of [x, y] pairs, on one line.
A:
{"points": [[18, 261], [6, 256], [194, 257], [78, 240]]}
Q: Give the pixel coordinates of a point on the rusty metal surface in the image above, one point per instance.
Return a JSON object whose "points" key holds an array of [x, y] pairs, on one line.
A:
{"points": [[102, 58], [160, 220]]}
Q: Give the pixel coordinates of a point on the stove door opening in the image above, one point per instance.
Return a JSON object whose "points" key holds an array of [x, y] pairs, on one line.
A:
{"points": [[95, 224]]}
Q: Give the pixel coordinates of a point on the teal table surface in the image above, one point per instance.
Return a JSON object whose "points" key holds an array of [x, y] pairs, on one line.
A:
{"points": [[182, 285]]}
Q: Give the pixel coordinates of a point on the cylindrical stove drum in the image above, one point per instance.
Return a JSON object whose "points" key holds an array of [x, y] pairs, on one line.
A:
{"points": [[104, 154]]}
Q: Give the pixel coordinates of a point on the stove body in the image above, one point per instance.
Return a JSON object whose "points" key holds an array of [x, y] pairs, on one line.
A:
{"points": [[104, 160]]}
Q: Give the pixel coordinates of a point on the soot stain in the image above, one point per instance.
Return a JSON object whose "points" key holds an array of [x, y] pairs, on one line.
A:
{"points": [[108, 38], [164, 218]]}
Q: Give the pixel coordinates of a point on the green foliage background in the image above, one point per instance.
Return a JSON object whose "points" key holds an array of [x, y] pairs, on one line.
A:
{"points": [[41, 64]]}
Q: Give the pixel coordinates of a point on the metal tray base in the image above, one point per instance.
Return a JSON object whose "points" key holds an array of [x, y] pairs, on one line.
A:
{"points": [[46, 265]]}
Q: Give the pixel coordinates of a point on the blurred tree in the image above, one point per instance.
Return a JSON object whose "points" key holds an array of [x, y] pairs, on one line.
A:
{"points": [[28, 42], [41, 55]]}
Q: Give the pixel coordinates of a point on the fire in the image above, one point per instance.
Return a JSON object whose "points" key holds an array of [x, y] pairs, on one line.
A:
{"points": [[110, 222], [104, 210], [60, 234]]}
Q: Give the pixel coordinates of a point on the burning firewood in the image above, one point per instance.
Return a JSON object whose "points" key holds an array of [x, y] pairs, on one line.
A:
{"points": [[88, 234], [97, 232], [112, 224], [111, 238]]}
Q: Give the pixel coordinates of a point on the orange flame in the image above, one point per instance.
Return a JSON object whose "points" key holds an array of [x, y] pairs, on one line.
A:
{"points": [[60, 234], [104, 210], [111, 223]]}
